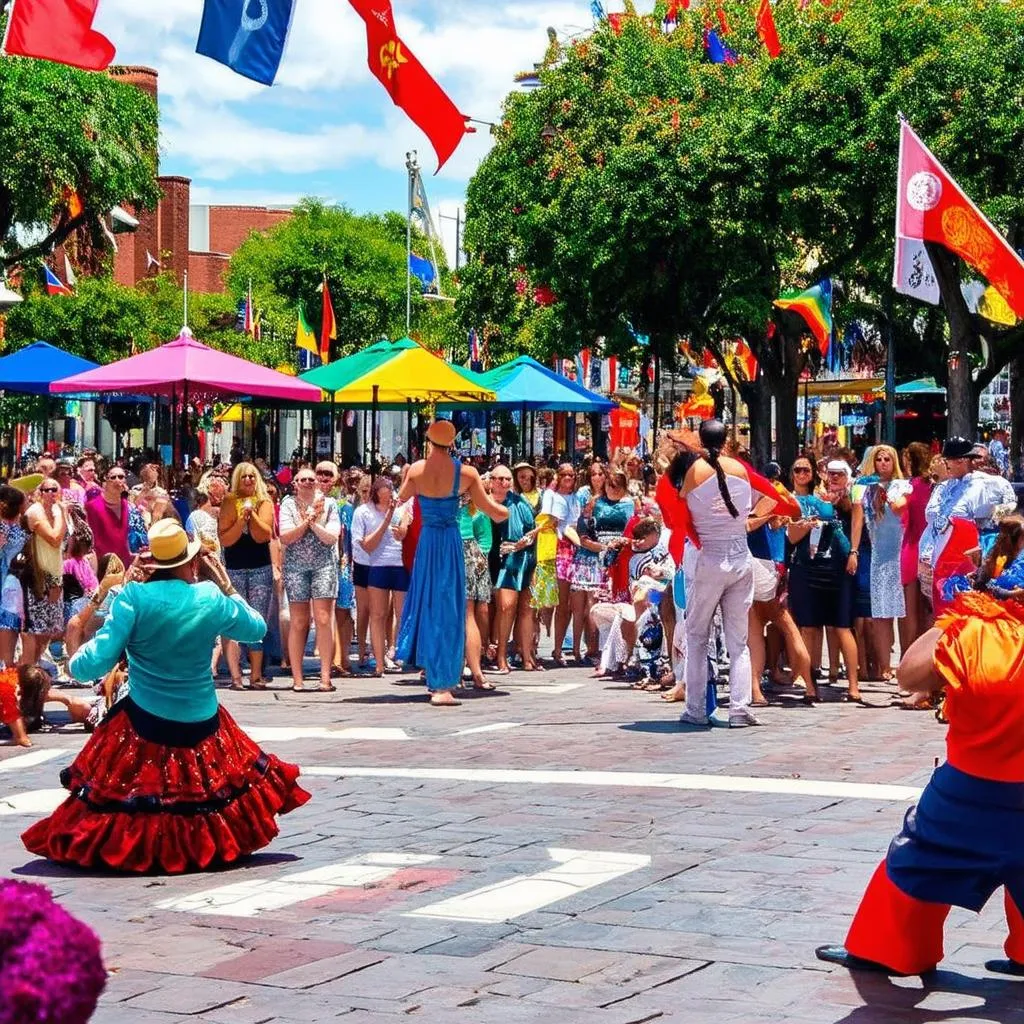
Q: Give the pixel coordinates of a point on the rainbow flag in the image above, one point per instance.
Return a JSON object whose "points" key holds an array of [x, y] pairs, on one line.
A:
{"points": [[815, 307]]}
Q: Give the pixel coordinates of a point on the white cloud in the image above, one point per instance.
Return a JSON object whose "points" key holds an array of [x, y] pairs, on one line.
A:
{"points": [[339, 118]]}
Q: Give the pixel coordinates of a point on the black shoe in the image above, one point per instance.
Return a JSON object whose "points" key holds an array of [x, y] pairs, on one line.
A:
{"points": [[844, 958], [1010, 967]]}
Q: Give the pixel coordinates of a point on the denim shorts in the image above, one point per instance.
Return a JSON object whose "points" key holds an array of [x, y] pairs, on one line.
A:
{"points": [[389, 577], [303, 584]]}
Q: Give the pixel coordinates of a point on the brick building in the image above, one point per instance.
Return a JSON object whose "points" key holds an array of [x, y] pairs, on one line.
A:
{"points": [[199, 239]]}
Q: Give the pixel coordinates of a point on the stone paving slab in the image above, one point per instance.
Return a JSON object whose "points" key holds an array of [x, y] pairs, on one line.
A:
{"points": [[720, 926]]}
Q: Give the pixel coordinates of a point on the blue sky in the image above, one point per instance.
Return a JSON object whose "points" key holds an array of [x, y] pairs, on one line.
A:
{"points": [[327, 127]]}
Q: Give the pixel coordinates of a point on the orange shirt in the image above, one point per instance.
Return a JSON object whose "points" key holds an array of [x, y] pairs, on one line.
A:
{"points": [[980, 657]]}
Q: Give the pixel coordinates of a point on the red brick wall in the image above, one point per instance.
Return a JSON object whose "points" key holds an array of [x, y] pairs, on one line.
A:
{"points": [[206, 272], [130, 260], [173, 239], [230, 225]]}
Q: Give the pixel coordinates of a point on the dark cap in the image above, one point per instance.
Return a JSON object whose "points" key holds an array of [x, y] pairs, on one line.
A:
{"points": [[957, 448]]}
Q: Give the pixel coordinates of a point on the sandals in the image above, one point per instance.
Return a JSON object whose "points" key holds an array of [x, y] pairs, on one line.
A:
{"points": [[237, 684], [258, 684], [329, 688]]}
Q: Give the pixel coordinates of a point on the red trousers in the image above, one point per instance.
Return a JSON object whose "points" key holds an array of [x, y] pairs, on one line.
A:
{"points": [[905, 934]]}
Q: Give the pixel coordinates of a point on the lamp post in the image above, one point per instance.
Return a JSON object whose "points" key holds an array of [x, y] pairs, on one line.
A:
{"points": [[413, 169]]}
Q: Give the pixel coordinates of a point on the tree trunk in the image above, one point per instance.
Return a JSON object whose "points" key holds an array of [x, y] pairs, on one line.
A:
{"points": [[758, 401], [961, 396], [787, 440], [599, 437]]}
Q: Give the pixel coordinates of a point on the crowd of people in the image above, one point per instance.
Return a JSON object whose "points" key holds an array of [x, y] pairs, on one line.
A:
{"points": [[610, 562]]}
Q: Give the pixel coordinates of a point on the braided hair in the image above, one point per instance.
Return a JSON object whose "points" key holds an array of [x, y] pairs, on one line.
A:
{"points": [[713, 437]]}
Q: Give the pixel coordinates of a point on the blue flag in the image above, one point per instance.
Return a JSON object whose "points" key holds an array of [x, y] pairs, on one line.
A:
{"points": [[246, 35], [718, 52], [596, 9], [424, 271]]}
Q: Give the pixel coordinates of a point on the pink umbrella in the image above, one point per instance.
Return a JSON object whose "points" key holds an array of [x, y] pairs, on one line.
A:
{"points": [[189, 370]]}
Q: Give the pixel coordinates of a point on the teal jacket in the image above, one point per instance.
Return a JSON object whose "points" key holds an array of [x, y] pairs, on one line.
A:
{"points": [[168, 628]]}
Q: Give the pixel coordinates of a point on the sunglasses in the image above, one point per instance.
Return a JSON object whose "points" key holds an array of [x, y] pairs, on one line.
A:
{"points": [[248, 476], [115, 476], [48, 490], [801, 469], [306, 480], [324, 472]]}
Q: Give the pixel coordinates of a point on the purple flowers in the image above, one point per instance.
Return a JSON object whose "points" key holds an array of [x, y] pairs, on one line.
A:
{"points": [[51, 971]]}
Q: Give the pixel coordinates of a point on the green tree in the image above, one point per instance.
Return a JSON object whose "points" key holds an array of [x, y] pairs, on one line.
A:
{"points": [[64, 131], [364, 258], [651, 189]]}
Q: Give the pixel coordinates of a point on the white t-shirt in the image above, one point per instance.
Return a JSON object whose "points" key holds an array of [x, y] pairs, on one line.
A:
{"points": [[366, 521], [565, 508]]}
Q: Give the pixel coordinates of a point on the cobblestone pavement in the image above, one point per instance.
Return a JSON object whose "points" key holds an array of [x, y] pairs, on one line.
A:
{"points": [[629, 872]]}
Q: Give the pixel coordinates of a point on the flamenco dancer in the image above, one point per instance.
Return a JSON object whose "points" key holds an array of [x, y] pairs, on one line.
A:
{"points": [[965, 838], [432, 635], [168, 782]]}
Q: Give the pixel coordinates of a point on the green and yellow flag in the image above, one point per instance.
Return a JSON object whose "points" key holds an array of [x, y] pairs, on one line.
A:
{"points": [[304, 336]]}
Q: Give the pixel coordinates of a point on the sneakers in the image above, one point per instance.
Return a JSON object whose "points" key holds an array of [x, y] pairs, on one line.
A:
{"points": [[742, 718], [694, 721]]}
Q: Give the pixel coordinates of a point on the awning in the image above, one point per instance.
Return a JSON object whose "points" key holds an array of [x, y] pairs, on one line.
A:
{"points": [[835, 388]]}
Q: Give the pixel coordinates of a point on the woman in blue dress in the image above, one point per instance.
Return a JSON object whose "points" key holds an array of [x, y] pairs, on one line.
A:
{"points": [[432, 635]]}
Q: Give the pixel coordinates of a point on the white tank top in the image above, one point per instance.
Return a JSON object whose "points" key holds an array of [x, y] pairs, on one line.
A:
{"points": [[720, 534]]}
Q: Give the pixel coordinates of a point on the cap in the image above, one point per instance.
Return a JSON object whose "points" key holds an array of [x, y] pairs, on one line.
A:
{"points": [[957, 448]]}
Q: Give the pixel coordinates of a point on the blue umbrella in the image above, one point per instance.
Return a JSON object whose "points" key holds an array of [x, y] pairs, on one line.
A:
{"points": [[32, 369], [526, 384]]}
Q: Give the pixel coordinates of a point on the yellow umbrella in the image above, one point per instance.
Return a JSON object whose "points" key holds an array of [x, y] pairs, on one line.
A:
{"points": [[232, 414], [413, 375]]}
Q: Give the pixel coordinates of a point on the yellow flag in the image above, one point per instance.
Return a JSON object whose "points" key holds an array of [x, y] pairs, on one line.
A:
{"points": [[995, 308]]}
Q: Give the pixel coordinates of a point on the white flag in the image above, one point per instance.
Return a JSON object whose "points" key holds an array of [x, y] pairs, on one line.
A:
{"points": [[913, 273], [69, 273], [151, 261]]}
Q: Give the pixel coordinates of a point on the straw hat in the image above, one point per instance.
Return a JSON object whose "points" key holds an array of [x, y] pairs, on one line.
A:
{"points": [[170, 545], [442, 433]]}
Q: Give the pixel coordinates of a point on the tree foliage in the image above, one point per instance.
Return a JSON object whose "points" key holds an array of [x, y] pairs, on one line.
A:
{"points": [[364, 258], [64, 131], [653, 190]]}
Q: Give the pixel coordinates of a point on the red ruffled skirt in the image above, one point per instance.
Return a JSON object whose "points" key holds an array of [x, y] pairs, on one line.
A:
{"points": [[141, 805]]}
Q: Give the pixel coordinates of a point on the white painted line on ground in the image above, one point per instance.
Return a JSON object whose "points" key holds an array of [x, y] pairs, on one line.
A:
{"points": [[576, 871], [540, 688], [632, 780], [251, 898], [493, 727], [35, 801], [32, 758], [286, 734]]}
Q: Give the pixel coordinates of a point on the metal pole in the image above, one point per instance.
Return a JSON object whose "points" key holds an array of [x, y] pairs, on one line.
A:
{"points": [[487, 438], [890, 372], [458, 237], [333, 428], [373, 428], [657, 403], [413, 168], [408, 429], [522, 431]]}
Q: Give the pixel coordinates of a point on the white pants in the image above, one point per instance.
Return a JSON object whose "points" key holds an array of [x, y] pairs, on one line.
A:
{"points": [[729, 583]]}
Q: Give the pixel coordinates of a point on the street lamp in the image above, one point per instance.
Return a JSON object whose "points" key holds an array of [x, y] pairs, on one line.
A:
{"points": [[458, 233], [548, 133]]}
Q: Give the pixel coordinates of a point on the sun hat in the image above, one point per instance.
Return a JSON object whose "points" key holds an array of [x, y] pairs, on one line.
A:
{"points": [[170, 545], [839, 466], [442, 433], [27, 484]]}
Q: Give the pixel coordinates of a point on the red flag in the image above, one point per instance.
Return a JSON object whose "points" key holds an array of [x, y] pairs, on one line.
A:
{"points": [[709, 359], [58, 30], [328, 325], [766, 29], [615, 23], [932, 207], [723, 21], [746, 359], [407, 81]]}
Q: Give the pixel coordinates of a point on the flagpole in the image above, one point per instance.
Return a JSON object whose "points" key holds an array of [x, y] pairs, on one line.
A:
{"points": [[412, 167], [184, 298]]}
